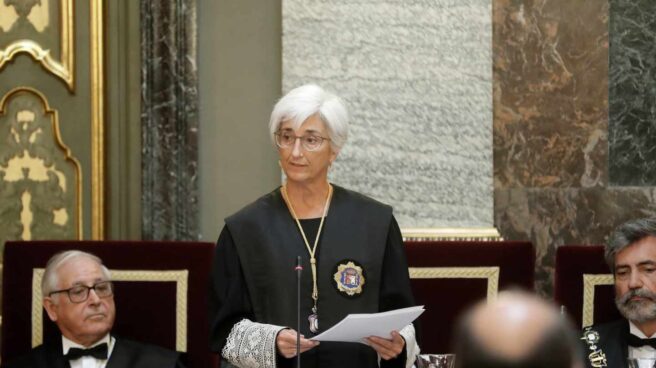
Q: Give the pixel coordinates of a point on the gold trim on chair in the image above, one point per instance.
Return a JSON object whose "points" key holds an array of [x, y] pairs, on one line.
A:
{"points": [[451, 233], [180, 277], [64, 68], [491, 274], [97, 123], [589, 283]]}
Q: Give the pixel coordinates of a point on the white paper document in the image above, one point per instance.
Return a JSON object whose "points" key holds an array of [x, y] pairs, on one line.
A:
{"points": [[356, 327]]}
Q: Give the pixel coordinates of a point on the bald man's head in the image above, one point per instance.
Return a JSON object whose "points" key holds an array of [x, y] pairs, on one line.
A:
{"points": [[517, 330]]}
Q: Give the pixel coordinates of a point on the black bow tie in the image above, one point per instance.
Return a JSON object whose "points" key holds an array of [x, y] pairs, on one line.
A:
{"points": [[98, 352], [637, 342]]}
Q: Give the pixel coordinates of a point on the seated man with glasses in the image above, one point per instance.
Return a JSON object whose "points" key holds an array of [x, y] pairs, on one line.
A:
{"points": [[78, 296]]}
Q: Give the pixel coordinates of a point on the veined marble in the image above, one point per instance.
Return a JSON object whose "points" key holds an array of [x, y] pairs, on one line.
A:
{"points": [[550, 93], [169, 120], [551, 217], [632, 89], [416, 76], [551, 129]]}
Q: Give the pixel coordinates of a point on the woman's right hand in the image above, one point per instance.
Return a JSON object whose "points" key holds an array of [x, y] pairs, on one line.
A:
{"points": [[286, 343]]}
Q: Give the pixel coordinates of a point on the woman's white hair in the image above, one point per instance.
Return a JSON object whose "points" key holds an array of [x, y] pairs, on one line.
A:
{"points": [[307, 100], [50, 281]]}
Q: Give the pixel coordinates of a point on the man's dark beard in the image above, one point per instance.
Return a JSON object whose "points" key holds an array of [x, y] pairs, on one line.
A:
{"points": [[637, 311]]}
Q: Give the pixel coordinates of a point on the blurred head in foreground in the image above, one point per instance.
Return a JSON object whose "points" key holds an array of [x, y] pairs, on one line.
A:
{"points": [[518, 330]]}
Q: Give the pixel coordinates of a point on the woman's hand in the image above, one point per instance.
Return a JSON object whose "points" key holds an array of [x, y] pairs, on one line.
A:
{"points": [[286, 343], [387, 348]]}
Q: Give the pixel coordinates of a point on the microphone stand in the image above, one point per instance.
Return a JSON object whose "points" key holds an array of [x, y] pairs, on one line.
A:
{"points": [[299, 269]]}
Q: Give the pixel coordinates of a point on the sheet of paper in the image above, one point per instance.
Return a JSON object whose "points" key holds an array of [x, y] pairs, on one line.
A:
{"points": [[356, 327]]}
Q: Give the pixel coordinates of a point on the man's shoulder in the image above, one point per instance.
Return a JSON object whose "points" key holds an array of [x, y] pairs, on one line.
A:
{"points": [[605, 344], [609, 329], [40, 356], [26, 360], [126, 353], [603, 334], [142, 354]]}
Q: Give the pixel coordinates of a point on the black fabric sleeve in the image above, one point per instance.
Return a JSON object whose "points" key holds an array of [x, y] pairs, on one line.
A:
{"points": [[181, 361], [395, 291], [229, 301]]}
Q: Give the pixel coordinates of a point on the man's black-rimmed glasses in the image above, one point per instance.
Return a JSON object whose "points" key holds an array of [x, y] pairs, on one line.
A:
{"points": [[80, 293]]}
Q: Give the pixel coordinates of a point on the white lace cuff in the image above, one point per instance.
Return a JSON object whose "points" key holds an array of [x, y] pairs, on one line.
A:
{"points": [[411, 346], [251, 345]]}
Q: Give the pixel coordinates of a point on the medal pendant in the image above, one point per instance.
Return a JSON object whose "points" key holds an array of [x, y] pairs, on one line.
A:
{"points": [[314, 321]]}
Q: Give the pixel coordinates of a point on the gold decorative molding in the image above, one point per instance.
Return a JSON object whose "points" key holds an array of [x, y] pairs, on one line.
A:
{"points": [[0, 289], [97, 122], [64, 68], [24, 137], [491, 274], [590, 281], [180, 277], [451, 233]]}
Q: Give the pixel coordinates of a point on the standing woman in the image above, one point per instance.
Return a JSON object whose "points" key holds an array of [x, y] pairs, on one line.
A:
{"points": [[350, 245]]}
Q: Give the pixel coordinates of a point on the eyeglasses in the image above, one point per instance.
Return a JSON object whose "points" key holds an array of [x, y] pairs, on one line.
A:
{"points": [[80, 293], [286, 139]]}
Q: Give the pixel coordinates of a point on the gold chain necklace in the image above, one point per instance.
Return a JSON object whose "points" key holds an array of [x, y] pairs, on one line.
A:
{"points": [[313, 319]]}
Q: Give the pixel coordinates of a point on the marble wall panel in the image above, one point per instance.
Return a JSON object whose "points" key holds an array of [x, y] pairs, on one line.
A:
{"points": [[550, 93], [551, 128], [632, 126], [551, 217], [416, 76], [169, 120]]}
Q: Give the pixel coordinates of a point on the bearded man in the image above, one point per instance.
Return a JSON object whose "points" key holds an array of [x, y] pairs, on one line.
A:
{"points": [[631, 255]]}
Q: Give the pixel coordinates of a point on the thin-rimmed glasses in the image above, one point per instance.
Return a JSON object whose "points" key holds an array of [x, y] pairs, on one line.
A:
{"points": [[311, 142]]}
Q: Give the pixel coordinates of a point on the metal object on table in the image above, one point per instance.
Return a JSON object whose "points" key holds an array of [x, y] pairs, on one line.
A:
{"points": [[436, 361], [641, 362]]}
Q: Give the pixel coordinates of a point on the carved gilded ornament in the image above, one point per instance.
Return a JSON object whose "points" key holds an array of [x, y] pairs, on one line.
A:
{"points": [[27, 26], [40, 180]]}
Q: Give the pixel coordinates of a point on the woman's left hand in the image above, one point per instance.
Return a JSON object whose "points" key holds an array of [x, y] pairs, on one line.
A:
{"points": [[387, 348]]}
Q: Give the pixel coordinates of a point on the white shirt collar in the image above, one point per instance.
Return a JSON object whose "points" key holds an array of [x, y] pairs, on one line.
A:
{"points": [[634, 330]]}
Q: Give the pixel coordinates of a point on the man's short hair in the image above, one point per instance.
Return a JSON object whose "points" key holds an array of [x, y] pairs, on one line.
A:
{"points": [[556, 349], [480, 344], [627, 234], [50, 280]]}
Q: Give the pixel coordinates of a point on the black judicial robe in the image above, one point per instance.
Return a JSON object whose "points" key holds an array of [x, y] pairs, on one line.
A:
{"points": [[253, 273], [126, 353], [613, 342]]}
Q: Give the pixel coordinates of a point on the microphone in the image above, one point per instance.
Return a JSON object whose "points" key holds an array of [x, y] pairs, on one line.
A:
{"points": [[299, 270]]}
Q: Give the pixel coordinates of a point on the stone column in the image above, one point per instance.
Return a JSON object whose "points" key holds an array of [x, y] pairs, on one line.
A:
{"points": [[169, 120]]}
